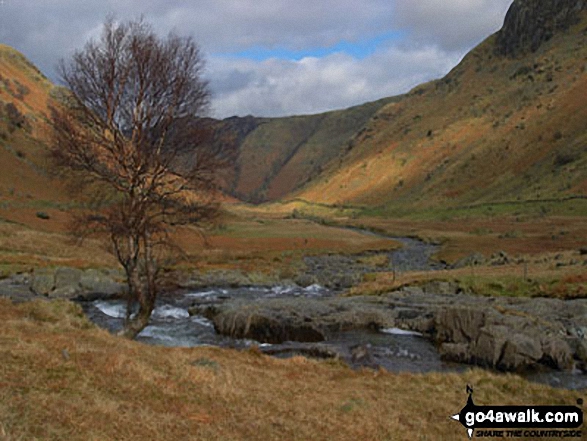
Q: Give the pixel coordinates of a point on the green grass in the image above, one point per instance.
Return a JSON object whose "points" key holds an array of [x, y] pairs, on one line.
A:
{"points": [[531, 208], [517, 286]]}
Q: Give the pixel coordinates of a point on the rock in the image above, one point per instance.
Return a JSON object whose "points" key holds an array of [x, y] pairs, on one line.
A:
{"points": [[72, 283], [455, 352], [474, 259], [507, 342], [66, 283], [581, 353], [459, 325], [305, 280], [17, 288], [498, 347], [557, 353], [520, 351], [511, 334], [65, 292], [486, 350], [583, 251], [312, 351], [529, 23], [361, 354], [265, 328], [441, 287], [67, 277], [94, 281], [43, 281]]}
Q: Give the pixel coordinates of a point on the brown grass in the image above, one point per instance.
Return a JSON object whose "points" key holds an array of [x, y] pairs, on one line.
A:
{"points": [[106, 388], [461, 237]]}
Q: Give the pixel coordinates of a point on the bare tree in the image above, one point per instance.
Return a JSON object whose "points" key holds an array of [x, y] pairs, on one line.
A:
{"points": [[129, 135]]}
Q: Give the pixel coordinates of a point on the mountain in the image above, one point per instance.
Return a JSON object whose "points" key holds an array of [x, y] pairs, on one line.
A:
{"points": [[509, 123], [506, 124], [279, 155]]}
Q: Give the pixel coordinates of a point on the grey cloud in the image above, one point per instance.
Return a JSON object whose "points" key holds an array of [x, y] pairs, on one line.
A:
{"points": [[454, 24], [312, 85], [438, 33], [46, 31]]}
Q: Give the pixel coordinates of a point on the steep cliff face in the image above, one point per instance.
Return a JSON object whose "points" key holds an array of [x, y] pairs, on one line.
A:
{"points": [[529, 23]]}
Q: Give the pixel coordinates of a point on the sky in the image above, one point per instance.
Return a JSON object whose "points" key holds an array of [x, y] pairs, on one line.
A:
{"points": [[277, 57]]}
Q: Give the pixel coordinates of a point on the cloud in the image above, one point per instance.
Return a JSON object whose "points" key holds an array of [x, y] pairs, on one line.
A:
{"points": [[454, 24], [277, 87], [434, 35]]}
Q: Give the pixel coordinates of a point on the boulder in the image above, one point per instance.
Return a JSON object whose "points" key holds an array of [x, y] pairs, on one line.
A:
{"points": [[66, 283], [557, 353], [94, 281], [474, 259], [459, 325], [71, 283], [43, 281], [265, 328], [455, 352], [519, 352]]}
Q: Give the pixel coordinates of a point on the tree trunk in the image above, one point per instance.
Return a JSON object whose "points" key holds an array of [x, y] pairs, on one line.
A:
{"points": [[136, 324]]}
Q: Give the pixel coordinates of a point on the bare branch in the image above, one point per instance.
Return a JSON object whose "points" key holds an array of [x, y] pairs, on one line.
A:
{"points": [[132, 132]]}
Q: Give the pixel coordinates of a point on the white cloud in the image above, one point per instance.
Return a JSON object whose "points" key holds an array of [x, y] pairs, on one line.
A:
{"points": [[310, 85], [436, 34]]}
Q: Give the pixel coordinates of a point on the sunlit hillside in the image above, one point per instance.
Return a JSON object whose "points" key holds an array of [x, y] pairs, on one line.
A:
{"points": [[496, 128]]}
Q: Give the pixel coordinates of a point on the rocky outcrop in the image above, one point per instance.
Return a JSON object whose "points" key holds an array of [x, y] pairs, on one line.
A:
{"points": [[222, 278], [507, 339], [529, 23], [287, 319], [72, 283], [509, 334]]}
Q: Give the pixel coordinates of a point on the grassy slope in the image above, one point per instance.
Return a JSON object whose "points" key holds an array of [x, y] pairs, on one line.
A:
{"points": [[23, 178], [281, 154], [494, 129], [106, 388]]}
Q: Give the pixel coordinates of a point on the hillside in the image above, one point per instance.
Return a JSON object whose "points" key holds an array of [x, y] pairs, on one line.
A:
{"points": [[25, 184], [279, 155], [507, 124]]}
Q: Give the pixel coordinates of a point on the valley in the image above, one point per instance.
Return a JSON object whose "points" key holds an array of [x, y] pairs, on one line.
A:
{"points": [[361, 258]]}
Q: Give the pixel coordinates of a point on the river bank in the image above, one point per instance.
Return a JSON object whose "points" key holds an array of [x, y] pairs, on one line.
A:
{"points": [[434, 326]]}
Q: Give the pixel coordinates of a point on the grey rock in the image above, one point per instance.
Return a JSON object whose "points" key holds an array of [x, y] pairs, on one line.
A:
{"points": [[455, 352], [43, 281], [471, 260], [557, 353], [519, 352], [94, 281], [305, 280], [64, 292], [459, 325], [530, 23], [70, 283], [67, 279]]}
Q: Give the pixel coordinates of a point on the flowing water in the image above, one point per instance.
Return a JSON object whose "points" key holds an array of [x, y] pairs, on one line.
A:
{"points": [[171, 325], [393, 349]]}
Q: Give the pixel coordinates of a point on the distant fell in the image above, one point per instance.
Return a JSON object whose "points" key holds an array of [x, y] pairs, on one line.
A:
{"points": [[279, 155]]}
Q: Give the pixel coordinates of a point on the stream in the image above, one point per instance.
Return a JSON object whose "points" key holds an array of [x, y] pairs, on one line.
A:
{"points": [[393, 349]]}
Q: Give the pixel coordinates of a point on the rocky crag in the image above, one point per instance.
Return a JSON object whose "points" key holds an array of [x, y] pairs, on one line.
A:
{"points": [[529, 23]]}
